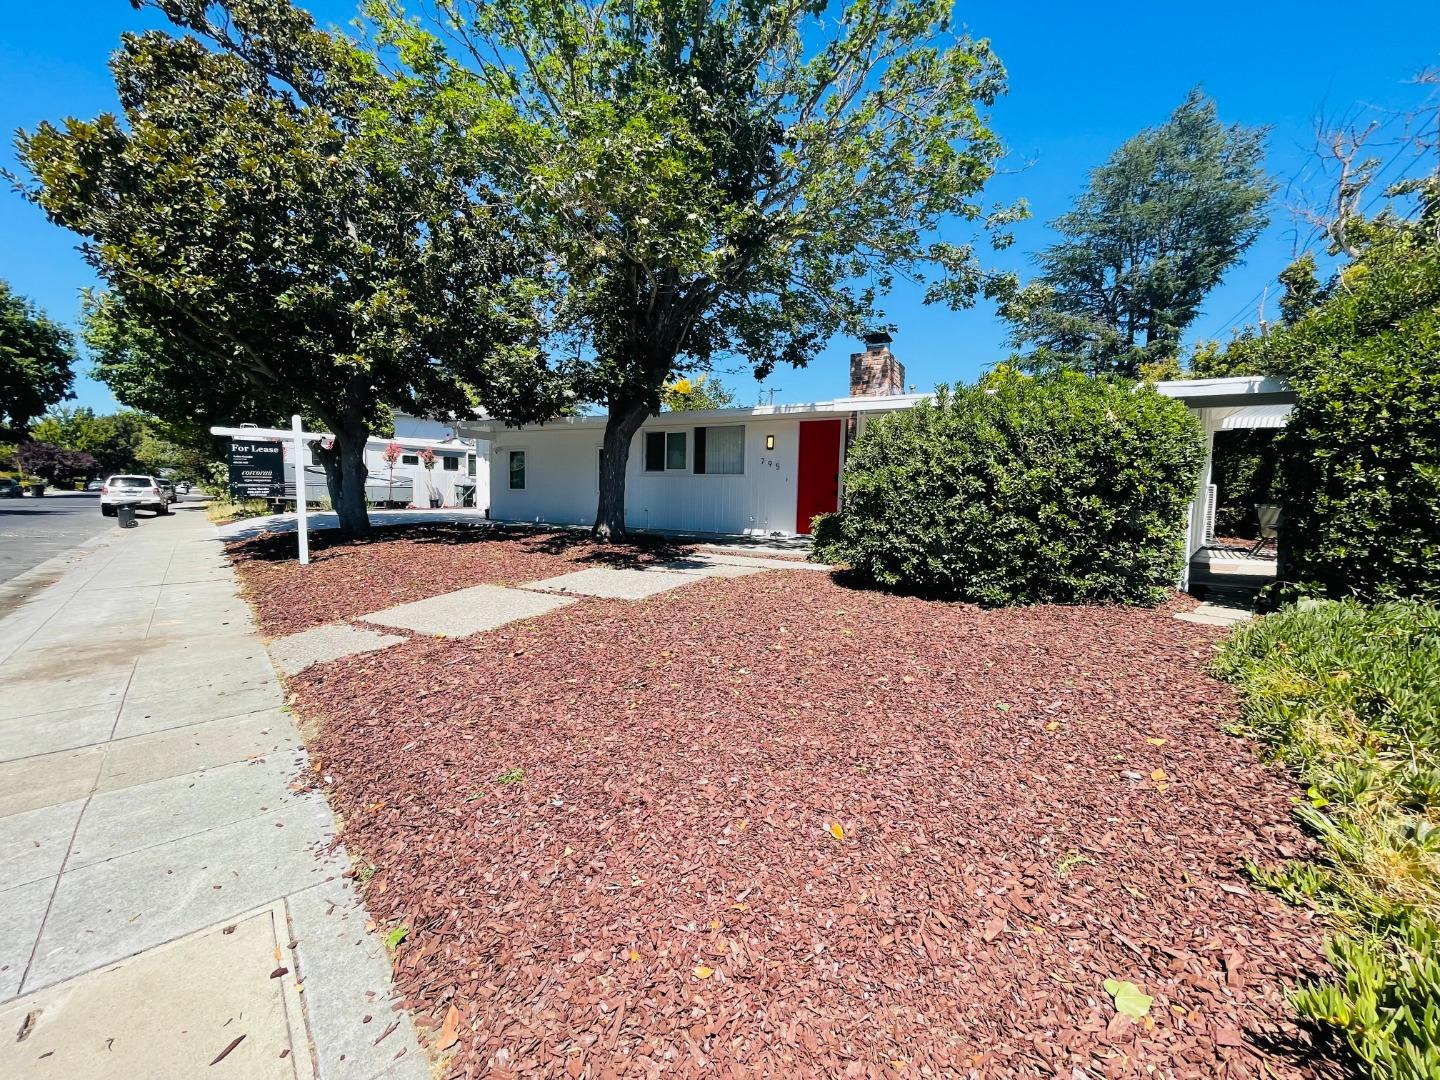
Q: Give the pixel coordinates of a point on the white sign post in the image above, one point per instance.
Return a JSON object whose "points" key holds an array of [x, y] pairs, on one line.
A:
{"points": [[301, 522]]}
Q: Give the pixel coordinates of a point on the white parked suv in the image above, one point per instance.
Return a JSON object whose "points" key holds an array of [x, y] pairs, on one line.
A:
{"points": [[140, 491]]}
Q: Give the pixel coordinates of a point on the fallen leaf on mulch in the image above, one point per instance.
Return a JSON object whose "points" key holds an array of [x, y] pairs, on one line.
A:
{"points": [[449, 1030], [1129, 999]]}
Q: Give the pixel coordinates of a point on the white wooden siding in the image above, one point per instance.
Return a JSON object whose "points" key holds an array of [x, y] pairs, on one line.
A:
{"points": [[562, 474]]}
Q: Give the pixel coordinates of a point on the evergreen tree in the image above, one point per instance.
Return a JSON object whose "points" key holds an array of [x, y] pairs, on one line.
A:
{"points": [[1156, 229]]}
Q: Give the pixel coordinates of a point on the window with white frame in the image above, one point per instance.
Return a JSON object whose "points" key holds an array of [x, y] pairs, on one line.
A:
{"points": [[665, 451], [409, 459], [450, 463], [720, 450], [517, 470]]}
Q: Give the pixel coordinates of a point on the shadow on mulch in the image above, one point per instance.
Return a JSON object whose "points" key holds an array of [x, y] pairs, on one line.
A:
{"points": [[849, 579], [1314, 1049], [636, 551]]}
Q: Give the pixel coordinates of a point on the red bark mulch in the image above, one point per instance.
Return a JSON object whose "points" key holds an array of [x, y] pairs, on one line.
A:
{"points": [[1029, 802], [402, 563]]}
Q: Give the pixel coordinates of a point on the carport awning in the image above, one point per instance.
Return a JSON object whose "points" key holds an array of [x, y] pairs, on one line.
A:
{"points": [[1256, 416]]}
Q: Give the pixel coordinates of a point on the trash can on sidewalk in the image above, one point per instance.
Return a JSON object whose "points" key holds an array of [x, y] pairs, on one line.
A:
{"points": [[37, 490], [125, 516]]}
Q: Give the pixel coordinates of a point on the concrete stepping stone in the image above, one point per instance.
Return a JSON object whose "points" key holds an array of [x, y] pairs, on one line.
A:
{"points": [[1216, 615], [296, 652], [467, 611], [616, 583]]}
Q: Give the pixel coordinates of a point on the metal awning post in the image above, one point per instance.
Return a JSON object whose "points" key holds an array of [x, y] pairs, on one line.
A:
{"points": [[301, 518]]}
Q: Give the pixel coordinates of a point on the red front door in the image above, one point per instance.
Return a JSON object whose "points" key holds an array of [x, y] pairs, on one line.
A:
{"points": [[817, 488]]}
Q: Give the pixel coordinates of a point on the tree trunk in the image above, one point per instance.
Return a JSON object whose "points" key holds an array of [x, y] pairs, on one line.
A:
{"points": [[621, 424], [345, 474]]}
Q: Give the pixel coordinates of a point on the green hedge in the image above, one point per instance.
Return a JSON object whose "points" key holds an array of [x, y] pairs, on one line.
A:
{"points": [[1057, 489], [1360, 468], [1348, 697]]}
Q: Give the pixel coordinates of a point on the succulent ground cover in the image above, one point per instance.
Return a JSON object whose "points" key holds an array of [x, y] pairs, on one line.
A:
{"points": [[775, 824], [348, 578]]}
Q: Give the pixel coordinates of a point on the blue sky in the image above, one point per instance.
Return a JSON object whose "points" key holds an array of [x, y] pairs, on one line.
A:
{"points": [[1082, 79]]}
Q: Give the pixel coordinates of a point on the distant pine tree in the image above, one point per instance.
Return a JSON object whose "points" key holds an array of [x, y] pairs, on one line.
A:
{"points": [[1156, 229]]}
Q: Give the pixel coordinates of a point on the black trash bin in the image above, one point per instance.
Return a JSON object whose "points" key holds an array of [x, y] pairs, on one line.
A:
{"points": [[125, 516]]}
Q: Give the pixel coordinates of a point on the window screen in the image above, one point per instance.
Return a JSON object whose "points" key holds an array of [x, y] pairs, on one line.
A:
{"points": [[409, 459], [450, 464], [517, 470], [720, 450]]}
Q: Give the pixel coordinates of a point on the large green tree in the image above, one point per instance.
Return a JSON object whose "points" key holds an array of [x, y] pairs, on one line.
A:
{"points": [[35, 363], [1155, 230], [112, 439], [271, 208], [716, 177]]}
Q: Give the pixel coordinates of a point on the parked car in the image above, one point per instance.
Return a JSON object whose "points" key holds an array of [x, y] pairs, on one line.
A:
{"points": [[10, 488], [167, 488], [95, 485], [183, 487], [144, 492]]}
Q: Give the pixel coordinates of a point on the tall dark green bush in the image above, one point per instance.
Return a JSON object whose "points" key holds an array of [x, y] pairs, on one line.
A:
{"points": [[1062, 488], [1360, 468]]}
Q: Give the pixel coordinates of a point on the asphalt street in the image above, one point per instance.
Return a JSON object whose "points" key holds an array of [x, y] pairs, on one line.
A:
{"points": [[33, 530]]}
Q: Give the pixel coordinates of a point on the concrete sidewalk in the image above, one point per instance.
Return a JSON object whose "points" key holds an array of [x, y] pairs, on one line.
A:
{"points": [[169, 905]]}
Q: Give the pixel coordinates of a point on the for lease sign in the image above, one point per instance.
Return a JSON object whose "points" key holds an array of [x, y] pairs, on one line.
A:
{"points": [[257, 469]]}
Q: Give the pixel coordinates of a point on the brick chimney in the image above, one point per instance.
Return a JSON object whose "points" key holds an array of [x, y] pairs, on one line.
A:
{"points": [[875, 372]]}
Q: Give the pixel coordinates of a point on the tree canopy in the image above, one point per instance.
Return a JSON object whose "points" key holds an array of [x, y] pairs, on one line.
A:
{"points": [[697, 394], [112, 439], [56, 464], [36, 356], [271, 209], [1155, 230], [716, 177]]}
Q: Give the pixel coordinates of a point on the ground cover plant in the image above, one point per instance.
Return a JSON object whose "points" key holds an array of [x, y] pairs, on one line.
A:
{"points": [[1021, 490], [348, 578], [1349, 697], [774, 823]]}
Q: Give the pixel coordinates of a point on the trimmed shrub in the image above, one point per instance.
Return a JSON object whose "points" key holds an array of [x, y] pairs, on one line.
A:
{"points": [[1360, 468], [1057, 489], [1348, 697]]}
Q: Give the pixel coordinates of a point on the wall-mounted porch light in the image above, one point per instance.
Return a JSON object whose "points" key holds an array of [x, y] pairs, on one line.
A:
{"points": [[769, 442]]}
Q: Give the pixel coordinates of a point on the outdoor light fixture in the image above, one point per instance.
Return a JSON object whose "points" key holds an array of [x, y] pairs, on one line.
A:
{"points": [[769, 442]]}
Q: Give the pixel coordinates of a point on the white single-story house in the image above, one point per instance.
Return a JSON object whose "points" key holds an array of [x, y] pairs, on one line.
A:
{"points": [[761, 471], [768, 470], [460, 476]]}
